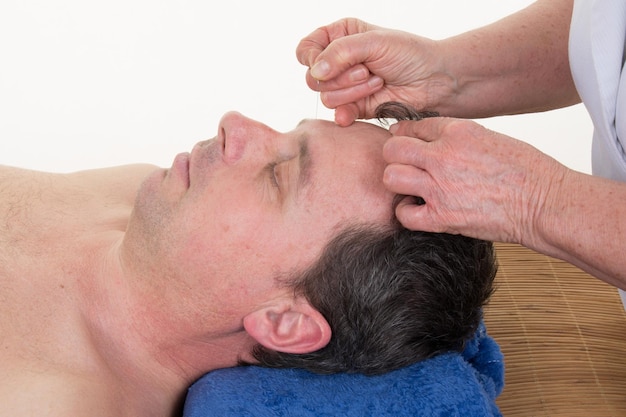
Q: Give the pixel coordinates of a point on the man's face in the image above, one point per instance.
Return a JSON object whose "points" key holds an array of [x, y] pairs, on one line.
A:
{"points": [[253, 204]]}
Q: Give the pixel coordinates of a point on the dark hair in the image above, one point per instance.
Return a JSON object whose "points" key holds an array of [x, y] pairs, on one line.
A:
{"points": [[392, 297], [400, 111]]}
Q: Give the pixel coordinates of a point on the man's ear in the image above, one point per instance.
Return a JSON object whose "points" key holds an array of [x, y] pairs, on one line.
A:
{"points": [[294, 327]]}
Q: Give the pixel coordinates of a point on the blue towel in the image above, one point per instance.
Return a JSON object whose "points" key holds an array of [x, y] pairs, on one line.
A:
{"points": [[453, 384]]}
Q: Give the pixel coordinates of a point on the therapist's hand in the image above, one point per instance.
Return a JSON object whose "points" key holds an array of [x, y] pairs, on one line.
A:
{"points": [[358, 66], [475, 182]]}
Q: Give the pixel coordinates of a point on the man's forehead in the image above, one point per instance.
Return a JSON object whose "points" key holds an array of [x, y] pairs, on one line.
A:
{"points": [[358, 160]]}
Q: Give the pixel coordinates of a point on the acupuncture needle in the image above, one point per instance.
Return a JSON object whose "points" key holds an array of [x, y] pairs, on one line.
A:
{"points": [[317, 99], [317, 103]]}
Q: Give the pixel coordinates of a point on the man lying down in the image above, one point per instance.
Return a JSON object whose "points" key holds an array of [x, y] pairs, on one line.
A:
{"points": [[119, 287]]}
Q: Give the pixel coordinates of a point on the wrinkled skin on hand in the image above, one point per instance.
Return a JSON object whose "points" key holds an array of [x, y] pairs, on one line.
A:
{"points": [[475, 182], [357, 66]]}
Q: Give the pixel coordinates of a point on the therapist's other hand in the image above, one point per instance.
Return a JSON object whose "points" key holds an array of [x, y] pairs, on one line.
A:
{"points": [[358, 66], [475, 182]]}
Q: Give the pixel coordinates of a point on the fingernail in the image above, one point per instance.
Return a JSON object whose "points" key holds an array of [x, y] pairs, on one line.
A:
{"points": [[359, 74], [320, 70], [375, 81]]}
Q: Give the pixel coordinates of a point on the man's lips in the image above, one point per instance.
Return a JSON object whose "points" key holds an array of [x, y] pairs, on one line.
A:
{"points": [[180, 168]]}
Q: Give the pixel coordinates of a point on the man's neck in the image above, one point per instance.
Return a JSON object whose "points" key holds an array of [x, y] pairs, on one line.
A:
{"points": [[120, 335], [153, 347]]}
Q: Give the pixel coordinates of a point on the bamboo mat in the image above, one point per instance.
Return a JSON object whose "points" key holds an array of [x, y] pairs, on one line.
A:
{"points": [[563, 336]]}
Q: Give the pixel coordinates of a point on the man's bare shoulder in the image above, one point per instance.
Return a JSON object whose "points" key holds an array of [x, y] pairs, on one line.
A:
{"points": [[12, 177], [49, 394]]}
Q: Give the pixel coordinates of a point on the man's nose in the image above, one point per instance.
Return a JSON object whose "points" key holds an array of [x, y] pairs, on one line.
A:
{"points": [[242, 136]]}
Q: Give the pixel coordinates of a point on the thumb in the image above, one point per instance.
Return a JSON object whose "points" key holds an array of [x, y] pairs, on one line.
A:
{"points": [[342, 54], [428, 129], [412, 213]]}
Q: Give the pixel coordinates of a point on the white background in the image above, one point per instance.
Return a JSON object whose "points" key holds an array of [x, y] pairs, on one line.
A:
{"points": [[87, 83]]}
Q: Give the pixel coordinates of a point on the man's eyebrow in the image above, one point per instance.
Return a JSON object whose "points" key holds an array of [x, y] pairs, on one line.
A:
{"points": [[305, 162]]}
